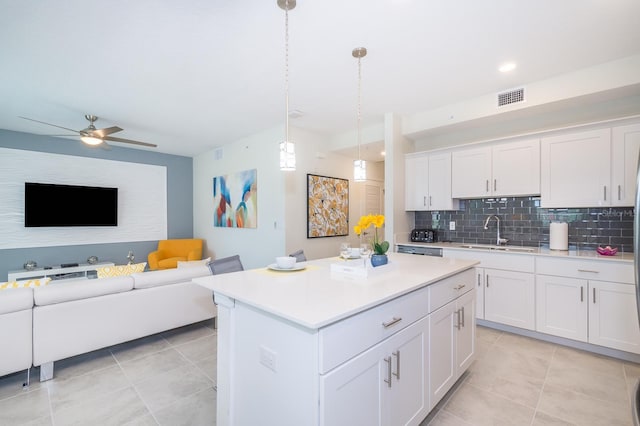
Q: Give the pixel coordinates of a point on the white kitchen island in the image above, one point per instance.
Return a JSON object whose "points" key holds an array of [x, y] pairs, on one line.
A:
{"points": [[315, 347]]}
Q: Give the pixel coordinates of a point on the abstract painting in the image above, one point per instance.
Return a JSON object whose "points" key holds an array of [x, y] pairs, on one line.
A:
{"points": [[327, 206], [235, 200]]}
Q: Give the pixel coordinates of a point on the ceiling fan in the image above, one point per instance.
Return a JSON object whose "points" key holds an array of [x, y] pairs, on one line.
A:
{"points": [[94, 137]]}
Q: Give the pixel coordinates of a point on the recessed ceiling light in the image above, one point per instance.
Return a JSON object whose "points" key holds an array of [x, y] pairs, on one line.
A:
{"points": [[383, 153], [507, 66]]}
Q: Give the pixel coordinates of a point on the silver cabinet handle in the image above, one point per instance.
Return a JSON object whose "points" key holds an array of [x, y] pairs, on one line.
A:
{"points": [[591, 271], [397, 355], [458, 319], [619, 195], [478, 280], [388, 379], [487, 280], [582, 293], [393, 321], [430, 200], [605, 192], [462, 315], [460, 287], [594, 295], [495, 184], [424, 201]]}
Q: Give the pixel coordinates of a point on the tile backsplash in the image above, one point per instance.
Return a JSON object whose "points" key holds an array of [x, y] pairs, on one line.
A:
{"points": [[524, 223]]}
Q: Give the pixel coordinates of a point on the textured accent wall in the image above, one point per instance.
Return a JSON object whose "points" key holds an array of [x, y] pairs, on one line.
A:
{"points": [[524, 223], [179, 202]]}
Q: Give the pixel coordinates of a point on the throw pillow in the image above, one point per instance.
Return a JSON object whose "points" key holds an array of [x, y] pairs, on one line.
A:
{"points": [[120, 270], [192, 263], [25, 283]]}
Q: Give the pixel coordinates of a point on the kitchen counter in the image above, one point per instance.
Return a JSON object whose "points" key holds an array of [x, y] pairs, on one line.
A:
{"points": [[535, 251], [316, 297], [317, 347]]}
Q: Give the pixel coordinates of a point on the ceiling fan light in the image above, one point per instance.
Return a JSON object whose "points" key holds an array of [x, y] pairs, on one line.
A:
{"points": [[287, 156], [90, 140]]}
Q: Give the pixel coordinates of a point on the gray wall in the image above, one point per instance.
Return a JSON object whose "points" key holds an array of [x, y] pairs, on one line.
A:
{"points": [[179, 202], [524, 223]]}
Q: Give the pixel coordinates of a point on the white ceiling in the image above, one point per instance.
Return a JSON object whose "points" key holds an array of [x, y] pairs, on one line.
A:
{"points": [[191, 75]]}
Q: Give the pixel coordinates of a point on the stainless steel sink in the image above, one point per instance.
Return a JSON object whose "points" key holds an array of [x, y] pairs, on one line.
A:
{"points": [[501, 248]]}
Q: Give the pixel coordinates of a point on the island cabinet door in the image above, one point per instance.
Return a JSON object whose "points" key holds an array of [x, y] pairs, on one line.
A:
{"points": [[385, 385], [442, 355], [465, 318]]}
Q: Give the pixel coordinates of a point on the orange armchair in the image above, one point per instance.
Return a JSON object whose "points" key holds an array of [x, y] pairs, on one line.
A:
{"points": [[171, 251]]}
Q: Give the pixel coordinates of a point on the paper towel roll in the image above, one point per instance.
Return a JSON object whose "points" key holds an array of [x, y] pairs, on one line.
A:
{"points": [[559, 236]]}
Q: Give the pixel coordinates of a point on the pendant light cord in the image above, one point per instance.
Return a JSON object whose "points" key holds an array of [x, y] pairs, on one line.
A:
{"points": [[359, 104], [286, 70]]}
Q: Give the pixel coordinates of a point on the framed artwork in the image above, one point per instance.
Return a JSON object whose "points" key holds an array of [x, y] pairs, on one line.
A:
{"points": [[327, 206], [235, 200]]}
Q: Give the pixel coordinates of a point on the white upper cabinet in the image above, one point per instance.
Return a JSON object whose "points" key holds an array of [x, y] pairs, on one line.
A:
{"points": [[590, 169], [576, 169], [509, 169], [625, 142], [428, 182], [416, 182], [471, 173], [516, 168]]}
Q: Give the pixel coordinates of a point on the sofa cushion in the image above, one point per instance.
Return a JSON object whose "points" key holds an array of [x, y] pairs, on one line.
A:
{"points": [[25, 283], [169, 276], [16, 300], [80, 289], [120, 270], [192, 263]]}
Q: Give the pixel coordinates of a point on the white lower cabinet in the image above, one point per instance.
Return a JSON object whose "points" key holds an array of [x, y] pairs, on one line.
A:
{"points": [[509, 298], [385, 385], [577, 306], [505, 285], [452, 344]]}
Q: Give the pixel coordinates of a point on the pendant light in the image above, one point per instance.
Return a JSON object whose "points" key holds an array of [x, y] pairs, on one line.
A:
{"points": [[359, 165], [287, 148]]}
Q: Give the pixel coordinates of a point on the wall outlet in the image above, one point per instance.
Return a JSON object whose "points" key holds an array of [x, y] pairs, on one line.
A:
{"points": [[268, 358], [452, 226]]}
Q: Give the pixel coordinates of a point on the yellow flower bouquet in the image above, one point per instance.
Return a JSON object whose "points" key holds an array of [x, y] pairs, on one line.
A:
{"points": [[379, 247]]}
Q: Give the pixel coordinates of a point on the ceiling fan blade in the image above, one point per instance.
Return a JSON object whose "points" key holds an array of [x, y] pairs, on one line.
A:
{"points": [[101, 133], [49, 124], [111, 138]]}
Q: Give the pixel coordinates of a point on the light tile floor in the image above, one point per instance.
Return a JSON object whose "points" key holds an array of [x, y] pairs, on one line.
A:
{"points": [[516, 380], [169, 379], [164, 379]]}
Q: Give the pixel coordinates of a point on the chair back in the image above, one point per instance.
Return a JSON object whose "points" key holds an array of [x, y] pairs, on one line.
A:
{"points": [[226, 265], [299, 255]]}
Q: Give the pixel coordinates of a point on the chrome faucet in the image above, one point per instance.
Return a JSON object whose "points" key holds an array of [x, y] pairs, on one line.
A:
{"points": [[499, 241]]}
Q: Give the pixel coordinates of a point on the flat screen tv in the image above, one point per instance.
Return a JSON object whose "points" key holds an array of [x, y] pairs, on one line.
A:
{"points": [[50, 205]]}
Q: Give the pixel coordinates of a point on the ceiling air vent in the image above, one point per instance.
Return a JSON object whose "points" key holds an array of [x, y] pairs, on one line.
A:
{"points": [[511, 97]]}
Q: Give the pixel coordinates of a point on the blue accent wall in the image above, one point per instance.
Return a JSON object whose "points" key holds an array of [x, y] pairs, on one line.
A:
{"points": [[179, 202]]}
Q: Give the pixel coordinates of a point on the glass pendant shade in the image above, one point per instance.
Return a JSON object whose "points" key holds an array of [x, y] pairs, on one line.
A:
{"points": [[287, 156], [90, 140], [359, 170]]}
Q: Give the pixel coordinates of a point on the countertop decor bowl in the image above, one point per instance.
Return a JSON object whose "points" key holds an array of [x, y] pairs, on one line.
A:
{"points": [[607, 251]]}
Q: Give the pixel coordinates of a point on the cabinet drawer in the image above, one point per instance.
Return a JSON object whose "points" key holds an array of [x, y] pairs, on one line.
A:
{"points": [[450, 288], [347, 338], [600, 270]]}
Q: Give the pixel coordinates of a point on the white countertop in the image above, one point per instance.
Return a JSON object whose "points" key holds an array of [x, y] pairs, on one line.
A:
{"points": [[316, 297], [536, 251]]}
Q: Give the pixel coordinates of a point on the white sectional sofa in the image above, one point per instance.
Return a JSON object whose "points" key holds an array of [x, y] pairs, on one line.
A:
{"points": [[16, 330], [65, 319]]}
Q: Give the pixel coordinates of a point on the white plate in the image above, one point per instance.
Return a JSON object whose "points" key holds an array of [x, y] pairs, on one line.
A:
{"points": [[351, 256], [296, 267]]}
